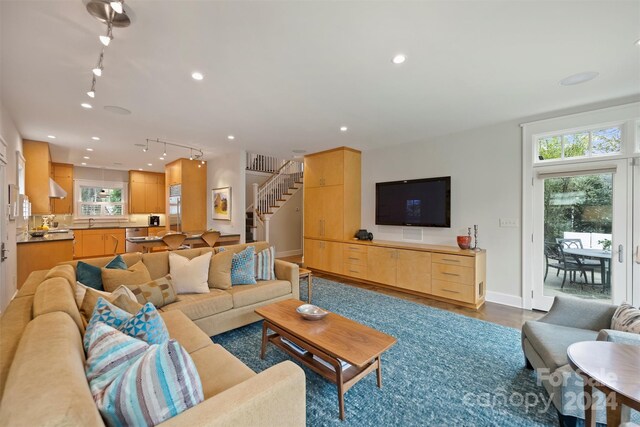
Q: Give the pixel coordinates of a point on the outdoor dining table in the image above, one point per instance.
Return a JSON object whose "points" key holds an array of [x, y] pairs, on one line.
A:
{"points": [[602, 256]]}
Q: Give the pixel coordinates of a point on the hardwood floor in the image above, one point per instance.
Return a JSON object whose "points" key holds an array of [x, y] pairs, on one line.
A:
{"points": [[490, 312]]}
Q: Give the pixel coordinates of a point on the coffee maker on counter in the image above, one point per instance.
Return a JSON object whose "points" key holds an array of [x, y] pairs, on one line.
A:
{"points": [[154, 220]]}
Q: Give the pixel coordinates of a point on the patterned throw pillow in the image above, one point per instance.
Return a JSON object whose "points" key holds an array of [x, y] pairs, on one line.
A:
{"points": [[626, 319], [134, 383], [243, 267], [265, 263], [146, 324], [106, 313], [158, 292], [119, 298]]}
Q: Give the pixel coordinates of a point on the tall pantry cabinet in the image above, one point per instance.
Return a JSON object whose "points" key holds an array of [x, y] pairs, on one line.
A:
{"points": [[332, 201]]}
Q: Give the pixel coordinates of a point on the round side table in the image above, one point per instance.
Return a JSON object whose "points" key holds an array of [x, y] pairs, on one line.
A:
{"points": [[612, 368]]}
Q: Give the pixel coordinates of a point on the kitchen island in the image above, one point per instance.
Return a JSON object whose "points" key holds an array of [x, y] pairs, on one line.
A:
{"points": [[193, 239], [42, 253]]}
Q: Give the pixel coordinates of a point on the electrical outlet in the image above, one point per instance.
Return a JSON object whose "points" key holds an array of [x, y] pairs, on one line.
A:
{"points": [[508, 222]]}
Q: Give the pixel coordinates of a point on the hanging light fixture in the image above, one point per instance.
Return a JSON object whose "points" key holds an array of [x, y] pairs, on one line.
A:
{"points": [[92, 92], [117, 6], [145, 149], [105, 40], [97, 71], [164, 153], [191, 154]]}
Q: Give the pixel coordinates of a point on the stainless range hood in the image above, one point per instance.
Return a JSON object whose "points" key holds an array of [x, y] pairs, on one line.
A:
{"points": [[55, 191]]}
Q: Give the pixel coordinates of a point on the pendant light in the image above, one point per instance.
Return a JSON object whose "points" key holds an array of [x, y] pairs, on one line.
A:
{"points": [[97, 71], [117, 6], [105, 40], [92, 92]]}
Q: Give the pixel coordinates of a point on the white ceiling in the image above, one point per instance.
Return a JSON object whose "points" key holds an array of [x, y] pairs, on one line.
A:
{"points": [[286, 75]]}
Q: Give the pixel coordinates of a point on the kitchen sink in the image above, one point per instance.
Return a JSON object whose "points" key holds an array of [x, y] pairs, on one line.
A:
{"points": [[58, 230]]}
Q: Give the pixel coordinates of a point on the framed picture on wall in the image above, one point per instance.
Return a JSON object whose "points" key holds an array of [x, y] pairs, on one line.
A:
{"points": [[221, 200]]}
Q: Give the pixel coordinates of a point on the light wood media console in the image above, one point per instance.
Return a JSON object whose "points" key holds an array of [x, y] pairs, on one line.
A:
{"points": [[444, 273]]}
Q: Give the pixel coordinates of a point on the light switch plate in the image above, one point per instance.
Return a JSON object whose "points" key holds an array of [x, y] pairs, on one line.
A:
{"points": [[508, 222]]}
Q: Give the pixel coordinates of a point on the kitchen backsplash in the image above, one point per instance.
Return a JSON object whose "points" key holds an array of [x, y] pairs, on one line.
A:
{"points": [[65, 221]]}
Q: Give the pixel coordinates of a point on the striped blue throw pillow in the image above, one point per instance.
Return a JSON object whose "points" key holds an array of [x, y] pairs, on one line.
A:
{"points": [[265, 263], [137, 384], [243, 270]]}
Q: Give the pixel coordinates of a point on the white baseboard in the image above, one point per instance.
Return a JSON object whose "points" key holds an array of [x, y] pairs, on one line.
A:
{"points": [[288, 253], [504, 299]]}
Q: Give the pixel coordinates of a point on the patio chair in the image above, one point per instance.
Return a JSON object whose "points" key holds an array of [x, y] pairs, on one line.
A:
{"points": [[555, 258], [577, 244]]}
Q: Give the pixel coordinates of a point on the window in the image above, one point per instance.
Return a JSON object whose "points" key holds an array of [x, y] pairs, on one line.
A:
{"points": [[101, 200], [593, 143]]}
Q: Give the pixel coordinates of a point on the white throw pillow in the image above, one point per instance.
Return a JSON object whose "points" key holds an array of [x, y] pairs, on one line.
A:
{"points": [[190, 276], [81, 290]]}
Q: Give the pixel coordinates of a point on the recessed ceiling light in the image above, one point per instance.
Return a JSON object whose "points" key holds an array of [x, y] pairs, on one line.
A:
{"points": [[86, 157], [139, 169], [576, 79], [89, 149], [298, 151], [85, 105], [343, 128], [161, 158], [83, 164], [95, 138], [197, 75], [399, 59], [51, 136], [638, 42], [231, 137], [149, 164]]}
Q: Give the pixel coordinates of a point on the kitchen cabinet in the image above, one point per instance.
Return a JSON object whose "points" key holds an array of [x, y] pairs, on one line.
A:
{"points": [[62, 173], [146, 192], [37, 174], [192, 177], [41, 255], [99, 242]]}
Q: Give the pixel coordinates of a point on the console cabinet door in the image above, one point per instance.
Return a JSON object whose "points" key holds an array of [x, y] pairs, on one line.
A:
{"points": [[333, 212], [332, 257], [414, 271], [313, 212], [312, 254], [382, 264]]}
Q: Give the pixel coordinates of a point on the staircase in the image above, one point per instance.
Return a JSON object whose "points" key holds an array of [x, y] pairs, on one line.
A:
{"points": [[270, 197]]}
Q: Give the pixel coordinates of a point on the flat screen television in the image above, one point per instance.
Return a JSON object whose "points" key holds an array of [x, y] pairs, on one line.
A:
{"points": [[417, 202]]}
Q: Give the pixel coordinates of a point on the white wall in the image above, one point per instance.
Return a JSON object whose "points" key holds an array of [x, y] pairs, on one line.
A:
{"points": [[285, 227], [484, 165], [10, 134], [228, 170]]}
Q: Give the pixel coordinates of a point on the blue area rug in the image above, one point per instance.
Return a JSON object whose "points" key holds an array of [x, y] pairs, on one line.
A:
{"points": [[446, 369]]}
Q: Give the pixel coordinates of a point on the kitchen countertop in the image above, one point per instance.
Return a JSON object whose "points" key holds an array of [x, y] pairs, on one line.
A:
{"points": [[97, 227], [51, 237]]}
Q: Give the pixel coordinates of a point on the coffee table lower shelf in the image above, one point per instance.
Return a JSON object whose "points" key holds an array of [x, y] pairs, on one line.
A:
{"points": [[344, 379]]}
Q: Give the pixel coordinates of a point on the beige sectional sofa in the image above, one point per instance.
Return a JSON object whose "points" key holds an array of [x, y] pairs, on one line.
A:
{"points": [[42, 379]]}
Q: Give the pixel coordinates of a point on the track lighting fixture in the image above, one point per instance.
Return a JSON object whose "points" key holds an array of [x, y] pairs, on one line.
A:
{"points": [[105, 40], [97, 71], [116, 5], [92, 92], [194, 153]]}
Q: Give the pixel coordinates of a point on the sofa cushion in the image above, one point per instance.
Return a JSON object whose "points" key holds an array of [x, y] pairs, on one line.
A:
{"points": [[129, 259], [89, 275], [244, 295], [185, 331], [134, 275], [158, 292], [65, 271], [190, 275], [243, 267], [47, 383], [30, 285], [220, 270], [265, 262], [14, 320], [55, 294], [117, 263], [626, 319], [258, 246], [197, 306], [219, 370], [551, 341], [120, 298]]}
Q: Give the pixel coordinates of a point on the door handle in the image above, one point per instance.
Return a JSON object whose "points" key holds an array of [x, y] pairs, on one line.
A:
{"points": [[620, 253], [3, 252], [638, 254]]}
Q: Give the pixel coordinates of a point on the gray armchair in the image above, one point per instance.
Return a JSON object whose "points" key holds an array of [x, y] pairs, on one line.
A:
{"points": [[545, 343]]}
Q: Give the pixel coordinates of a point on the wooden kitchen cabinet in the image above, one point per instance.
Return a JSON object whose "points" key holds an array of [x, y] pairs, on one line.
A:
{"points": [[37, 174], [146, 192], [99, 242], [62, 173], [192, 177]]}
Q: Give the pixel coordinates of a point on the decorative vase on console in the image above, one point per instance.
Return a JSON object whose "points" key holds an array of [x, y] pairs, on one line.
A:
{"points": [[464, 242]]}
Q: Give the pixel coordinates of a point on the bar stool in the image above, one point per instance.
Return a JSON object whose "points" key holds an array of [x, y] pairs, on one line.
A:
{"points": [[210, 237], [174, 241]]}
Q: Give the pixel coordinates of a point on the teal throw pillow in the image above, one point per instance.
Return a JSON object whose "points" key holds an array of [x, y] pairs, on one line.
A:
{"points": [[117, 263], [243, 267], [106, 313], [91, 276]]}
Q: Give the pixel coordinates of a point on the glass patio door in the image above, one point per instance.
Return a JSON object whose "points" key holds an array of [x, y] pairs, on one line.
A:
{"points": [[581, 232], [636, 234]]}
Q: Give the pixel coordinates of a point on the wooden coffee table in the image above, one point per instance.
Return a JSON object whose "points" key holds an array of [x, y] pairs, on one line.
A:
{"points": [[325, 343], [613, 369]]}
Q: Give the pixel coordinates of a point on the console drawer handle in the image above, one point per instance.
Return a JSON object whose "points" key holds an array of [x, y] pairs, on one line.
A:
{"points": [[449, 290], [450, 260], [450, 274], [357, 259], [353, 271]]}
